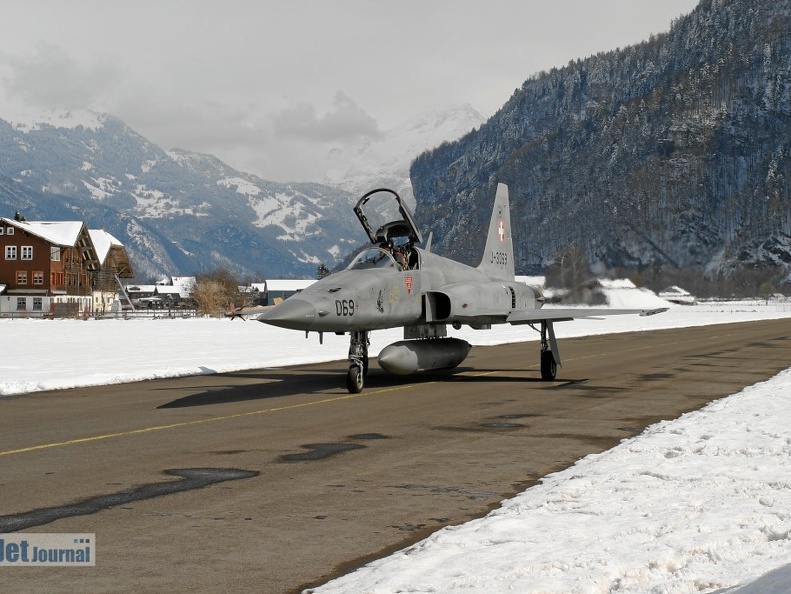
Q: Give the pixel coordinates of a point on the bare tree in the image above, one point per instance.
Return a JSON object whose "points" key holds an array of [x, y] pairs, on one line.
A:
{"points": [[215, 291], [569, 270]]}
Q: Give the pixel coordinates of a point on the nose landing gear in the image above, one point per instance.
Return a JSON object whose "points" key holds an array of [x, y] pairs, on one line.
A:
{"points": [[358, 362]]}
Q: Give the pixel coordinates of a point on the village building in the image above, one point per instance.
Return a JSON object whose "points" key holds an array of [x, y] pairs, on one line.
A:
{"points": [[137, 292], [274, 291], [185, 286], [170, 295], [51, 268], [167, 294], [113, 266]]}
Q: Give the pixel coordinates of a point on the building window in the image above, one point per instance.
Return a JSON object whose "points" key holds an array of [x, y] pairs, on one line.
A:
{"points": [[21, 303], [37, 304], [9, 231], [21, 277], [27, 252], [2, 230], [38, 277], [54, 253], [10, 252]]}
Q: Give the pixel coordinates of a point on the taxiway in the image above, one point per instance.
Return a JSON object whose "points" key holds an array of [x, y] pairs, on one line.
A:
{"points": [[273, 479]]}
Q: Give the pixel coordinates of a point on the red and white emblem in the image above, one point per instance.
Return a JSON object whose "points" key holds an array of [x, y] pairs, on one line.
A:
{"points": [[408, 281], [501, 231]]}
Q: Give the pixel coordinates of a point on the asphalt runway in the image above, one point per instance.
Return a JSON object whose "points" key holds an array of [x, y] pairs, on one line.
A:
{"points": [[271, 480]]}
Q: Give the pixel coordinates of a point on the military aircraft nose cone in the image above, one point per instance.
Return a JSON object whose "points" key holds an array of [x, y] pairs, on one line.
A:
{"points": [[293, 313]]}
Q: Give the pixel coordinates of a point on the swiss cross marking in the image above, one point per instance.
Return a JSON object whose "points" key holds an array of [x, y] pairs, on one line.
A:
{"points": [[501, 231]]}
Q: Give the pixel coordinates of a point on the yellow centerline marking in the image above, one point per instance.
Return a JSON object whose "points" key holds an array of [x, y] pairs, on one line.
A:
{"points": [[59, 444]]}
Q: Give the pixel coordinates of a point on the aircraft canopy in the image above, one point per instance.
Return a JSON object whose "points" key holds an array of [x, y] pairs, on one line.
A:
{"points": [[384, 216]]}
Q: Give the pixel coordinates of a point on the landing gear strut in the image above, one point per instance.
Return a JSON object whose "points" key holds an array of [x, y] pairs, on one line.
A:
{"points": [[358, 362], [549, 366]]}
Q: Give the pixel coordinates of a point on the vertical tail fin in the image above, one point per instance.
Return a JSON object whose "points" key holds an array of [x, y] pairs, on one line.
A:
{"points": [[498, 256]]}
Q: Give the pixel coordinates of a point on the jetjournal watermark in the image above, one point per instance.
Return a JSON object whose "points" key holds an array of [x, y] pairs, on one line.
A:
{"points": [[47, 550]]}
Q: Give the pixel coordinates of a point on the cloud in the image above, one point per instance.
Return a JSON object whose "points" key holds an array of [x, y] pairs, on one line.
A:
{"points": [[345, 121], [52, 78], [241, 136], [285, 145]]}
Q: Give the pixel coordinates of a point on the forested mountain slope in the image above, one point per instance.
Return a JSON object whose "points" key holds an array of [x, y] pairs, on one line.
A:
{"points": [[671, 154]]}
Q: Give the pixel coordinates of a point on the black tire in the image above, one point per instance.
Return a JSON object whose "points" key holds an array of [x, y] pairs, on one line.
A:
{"points": [[355, 380], [548, 366]]}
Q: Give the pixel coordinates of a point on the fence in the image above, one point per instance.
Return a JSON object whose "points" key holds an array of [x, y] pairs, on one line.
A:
{"points": [[144, 314]]}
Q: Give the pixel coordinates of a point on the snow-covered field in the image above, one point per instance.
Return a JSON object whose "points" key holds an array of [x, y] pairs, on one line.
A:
{"points": [[699, 504]]}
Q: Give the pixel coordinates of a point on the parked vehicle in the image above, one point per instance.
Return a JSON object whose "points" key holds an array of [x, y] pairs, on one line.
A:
{"points": [[150, 302]]}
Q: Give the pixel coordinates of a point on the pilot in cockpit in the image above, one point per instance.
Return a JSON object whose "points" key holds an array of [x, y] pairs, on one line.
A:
{"points": [[400, 258]]}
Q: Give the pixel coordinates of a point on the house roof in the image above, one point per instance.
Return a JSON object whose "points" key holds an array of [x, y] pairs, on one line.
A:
{"points": [[136, 288], [103, 241], [111, 253], [283, 284], [186, 284], [288, 284], [63, 233]]}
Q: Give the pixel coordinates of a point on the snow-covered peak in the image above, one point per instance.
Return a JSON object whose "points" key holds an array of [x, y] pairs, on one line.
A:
{"points": [[447, 125], [26, 119], [385, 161]]}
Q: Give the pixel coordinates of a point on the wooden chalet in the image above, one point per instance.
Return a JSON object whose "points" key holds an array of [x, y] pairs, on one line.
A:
{"points": [[48, 267], [113, 266]]}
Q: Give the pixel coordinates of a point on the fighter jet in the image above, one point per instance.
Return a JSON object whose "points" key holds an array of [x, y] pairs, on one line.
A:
{"points": [[395, 283]]}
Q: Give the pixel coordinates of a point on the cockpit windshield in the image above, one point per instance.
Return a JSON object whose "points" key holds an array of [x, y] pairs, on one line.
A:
{"points": [[373, 258]]}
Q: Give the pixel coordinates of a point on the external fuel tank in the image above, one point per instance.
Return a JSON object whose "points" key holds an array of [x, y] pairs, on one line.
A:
{"points": [[411, 356]]}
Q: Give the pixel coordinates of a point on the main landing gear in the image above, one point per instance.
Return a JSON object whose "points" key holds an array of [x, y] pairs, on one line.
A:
{"points": [[358, 362], [549, 364]]}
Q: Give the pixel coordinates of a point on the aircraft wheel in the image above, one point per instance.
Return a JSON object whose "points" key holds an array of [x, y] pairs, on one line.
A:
{"points": [[548, 366], [355, 380]]}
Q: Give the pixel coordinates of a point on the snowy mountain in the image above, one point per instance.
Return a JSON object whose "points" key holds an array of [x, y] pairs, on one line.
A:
{"points": [[385, 162], [177, 212]]}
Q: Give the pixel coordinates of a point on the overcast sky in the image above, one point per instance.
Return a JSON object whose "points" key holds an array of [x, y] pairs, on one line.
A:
{"points": [[270, 85]]}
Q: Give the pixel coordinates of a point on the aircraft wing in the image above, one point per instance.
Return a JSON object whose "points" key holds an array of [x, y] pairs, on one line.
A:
{"points": [[528, 316]]}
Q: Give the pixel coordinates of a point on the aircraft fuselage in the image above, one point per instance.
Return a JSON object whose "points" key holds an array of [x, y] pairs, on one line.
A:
{"points": [[437, 291]]}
